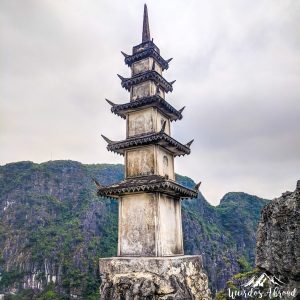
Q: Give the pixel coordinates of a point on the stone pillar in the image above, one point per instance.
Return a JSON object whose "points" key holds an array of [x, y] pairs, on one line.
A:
{"points": [[151, 263]]}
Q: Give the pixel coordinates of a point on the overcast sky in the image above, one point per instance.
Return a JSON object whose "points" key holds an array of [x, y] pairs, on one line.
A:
{"points": [[236, 63]]}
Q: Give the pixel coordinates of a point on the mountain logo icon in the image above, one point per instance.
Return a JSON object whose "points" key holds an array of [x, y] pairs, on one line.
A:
{"points": [[262, 280]]}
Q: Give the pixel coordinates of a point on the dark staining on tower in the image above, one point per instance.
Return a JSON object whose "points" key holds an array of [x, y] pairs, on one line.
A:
{"points": [[149, 150]]}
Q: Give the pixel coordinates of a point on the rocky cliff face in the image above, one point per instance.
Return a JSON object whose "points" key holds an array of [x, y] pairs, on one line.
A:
{"points": [[154, 278], [278, 238], [53, 229], [223, 235]]}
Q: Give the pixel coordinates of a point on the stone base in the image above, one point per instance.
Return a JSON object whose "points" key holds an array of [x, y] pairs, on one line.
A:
{"points": [[153, 278]]}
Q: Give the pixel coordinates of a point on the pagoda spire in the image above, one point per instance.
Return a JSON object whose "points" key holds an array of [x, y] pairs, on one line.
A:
{"points": [[146, 29]]}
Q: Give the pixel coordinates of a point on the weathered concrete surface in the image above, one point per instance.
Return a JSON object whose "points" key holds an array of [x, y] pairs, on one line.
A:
{"points": [[149, 160], [147, 120], [278, 238], [144, 65], [149, 225], [156, 278], [137, 225], [144, 89], [141, 121], [147, 88], [140, 161]]}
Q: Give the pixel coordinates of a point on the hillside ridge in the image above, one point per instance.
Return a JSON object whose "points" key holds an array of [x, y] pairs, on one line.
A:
{"points": [[53, 229]]}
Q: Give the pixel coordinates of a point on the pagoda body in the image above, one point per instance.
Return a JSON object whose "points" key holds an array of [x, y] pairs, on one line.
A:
{"points": [[150, 225]]}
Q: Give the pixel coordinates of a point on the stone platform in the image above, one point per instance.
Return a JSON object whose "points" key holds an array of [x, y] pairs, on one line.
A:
{"points": [[153, 278]]}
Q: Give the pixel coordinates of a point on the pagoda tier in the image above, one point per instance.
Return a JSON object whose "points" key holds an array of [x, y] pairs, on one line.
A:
{"points": [[149, 197], [145, 102], [144, 50], [153, 75], [158, 138], [148, 184]]}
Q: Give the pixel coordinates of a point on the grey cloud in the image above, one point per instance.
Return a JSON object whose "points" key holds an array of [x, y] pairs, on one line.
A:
{"points": [[237, 67]]}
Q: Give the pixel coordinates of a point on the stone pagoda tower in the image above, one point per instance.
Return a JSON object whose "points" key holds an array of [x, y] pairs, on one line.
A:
{"points": [[151, 262]]}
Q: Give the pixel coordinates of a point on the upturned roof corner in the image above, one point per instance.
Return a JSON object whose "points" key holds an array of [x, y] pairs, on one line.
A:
{"points": [[107, 139]]}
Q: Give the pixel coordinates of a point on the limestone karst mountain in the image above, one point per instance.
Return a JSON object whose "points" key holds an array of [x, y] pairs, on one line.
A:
{"points": [[278, 239], [277, 272], [53, 229]]}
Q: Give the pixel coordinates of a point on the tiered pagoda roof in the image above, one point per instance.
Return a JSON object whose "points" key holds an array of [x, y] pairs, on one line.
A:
{"points": [[145, 102], [157, 138], [147, 183], [148, 49], [127, 83]]}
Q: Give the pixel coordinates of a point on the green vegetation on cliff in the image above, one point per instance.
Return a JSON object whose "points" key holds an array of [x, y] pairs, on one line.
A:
{"points": [[53, 229]]}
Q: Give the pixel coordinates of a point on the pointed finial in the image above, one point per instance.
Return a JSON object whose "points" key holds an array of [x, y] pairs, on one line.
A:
{"points": [[197, 186], [98, 185], [107, 140], [169, 59], [124, 54], [172, 82], [146, 29], [121, 77], [190, 143], [109, 102], [181, 109]]}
